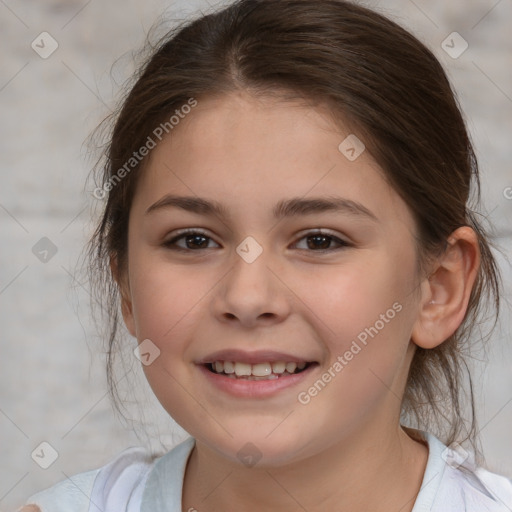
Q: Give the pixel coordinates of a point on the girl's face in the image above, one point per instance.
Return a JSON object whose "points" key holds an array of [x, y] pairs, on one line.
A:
{"points": [[260, 284]]}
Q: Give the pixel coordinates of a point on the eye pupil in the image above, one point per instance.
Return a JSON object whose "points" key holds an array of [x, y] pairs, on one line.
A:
{"points": [[324, 242], [194, 239]]}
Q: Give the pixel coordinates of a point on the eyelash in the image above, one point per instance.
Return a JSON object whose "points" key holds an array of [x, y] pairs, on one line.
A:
{"points": [[171, 244]]}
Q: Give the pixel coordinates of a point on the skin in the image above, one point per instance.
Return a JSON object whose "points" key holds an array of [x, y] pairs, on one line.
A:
{"points": [[249, 153]]}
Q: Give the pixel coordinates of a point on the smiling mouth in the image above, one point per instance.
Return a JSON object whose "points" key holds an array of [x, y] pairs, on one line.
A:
{"points": [[259, 371]]}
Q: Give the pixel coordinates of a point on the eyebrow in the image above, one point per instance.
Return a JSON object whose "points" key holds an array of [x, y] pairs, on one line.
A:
{"points": [[284, 208]]}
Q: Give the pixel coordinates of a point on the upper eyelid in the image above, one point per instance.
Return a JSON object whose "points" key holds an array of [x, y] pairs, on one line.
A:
{"points": [[180, 234], [320, 231], [299, 236], [302, 233]]}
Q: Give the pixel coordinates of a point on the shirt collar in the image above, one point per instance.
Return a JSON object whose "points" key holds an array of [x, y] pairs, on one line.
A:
{"points": [[164, 485]]}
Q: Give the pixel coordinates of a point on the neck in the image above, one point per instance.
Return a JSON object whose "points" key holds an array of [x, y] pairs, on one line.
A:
{"points": [[390, 463]]}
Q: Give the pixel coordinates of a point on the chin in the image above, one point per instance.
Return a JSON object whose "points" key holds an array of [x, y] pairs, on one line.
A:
{"points": [[257, 449]]}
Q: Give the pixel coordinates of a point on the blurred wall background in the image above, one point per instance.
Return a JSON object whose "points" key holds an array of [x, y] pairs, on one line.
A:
{"points": [[53, 388]]}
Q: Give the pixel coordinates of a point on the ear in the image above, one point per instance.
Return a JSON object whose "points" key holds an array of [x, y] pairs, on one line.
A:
{"points": [[445, 293], [124, 291]]}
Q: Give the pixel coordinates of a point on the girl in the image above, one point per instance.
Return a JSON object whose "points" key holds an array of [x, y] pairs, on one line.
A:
{"points": [[288, 233]]}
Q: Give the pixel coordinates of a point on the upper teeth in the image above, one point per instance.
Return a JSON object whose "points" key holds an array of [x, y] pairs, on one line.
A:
{"points": [[257, 370]]}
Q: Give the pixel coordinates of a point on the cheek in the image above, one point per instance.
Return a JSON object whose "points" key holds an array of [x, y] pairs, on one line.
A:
{"points": [[348, 300], [163, 297], [365, 316], [166, 308]]}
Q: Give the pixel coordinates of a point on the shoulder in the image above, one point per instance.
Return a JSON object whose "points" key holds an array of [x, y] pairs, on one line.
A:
{"points": [[69, 494], [117, 486], [453, 482], [474, 488]]}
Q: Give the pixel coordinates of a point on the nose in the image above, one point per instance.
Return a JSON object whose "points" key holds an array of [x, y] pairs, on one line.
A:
{"points": [[251, 293]]}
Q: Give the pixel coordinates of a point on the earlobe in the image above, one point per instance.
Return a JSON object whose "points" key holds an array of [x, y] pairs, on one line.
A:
{"points": [[446, 292], [124, 293]]}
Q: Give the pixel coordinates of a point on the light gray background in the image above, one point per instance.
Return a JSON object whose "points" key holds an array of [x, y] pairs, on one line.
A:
{"points": [[52, 376]]}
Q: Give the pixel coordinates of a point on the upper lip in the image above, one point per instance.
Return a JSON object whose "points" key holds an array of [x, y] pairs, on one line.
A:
{"points": [[258, 356]]}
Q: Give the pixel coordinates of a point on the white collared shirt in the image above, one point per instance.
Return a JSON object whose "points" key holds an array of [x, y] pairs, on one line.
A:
{"points": [[135, 481]]}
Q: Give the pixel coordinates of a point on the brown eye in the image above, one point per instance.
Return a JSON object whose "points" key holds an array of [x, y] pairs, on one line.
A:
{"points": [[193, 240], [319, 242]]}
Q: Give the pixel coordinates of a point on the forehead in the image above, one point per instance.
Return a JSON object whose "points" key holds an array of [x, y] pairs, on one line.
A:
{"points": [[239, 126], [247, 151]]}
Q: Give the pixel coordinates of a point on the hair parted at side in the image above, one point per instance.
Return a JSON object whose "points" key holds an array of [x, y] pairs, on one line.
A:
{"points": [[376, 78]]}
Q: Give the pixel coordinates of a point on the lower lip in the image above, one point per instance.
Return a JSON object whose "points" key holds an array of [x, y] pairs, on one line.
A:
{"points": [[255, 388]]}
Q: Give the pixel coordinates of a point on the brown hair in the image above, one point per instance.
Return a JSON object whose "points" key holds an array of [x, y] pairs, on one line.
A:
{"points": [[373, 75]]}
